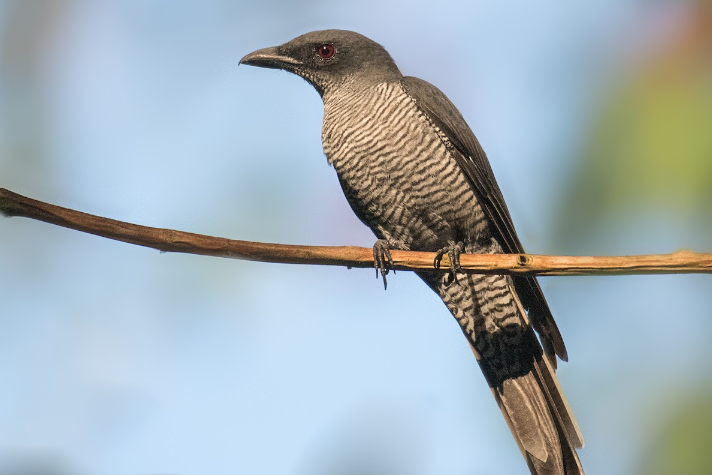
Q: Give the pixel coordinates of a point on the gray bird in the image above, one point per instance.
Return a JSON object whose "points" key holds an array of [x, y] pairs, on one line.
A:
{"points": [[413, 172]]}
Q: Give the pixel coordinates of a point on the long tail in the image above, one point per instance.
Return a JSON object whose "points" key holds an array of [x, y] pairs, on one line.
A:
{"points": [[540, 420], [520, 376]]}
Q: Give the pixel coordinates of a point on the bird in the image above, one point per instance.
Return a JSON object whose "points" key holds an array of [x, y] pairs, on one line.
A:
{"points": [[413, 171]]}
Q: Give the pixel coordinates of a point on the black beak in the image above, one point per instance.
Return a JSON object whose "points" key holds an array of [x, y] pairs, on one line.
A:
{"points": [[270, 58]]}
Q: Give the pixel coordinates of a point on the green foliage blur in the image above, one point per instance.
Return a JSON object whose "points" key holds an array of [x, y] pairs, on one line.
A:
{"points": [[682, 444], [648, 157], [649, 152]]}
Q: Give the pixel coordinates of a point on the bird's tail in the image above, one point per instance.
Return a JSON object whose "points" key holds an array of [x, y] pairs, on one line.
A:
{"points": [[540, 420], [539, 417], [517, 370]]}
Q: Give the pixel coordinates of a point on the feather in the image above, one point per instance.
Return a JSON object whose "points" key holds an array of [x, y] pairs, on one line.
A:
{"points": [[472, 160]]}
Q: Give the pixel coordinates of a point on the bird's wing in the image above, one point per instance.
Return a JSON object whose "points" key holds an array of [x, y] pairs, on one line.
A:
{"points": [[473, 161]]}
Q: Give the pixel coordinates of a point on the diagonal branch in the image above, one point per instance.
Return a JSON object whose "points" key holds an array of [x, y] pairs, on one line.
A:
{"points": [[168, 240]]}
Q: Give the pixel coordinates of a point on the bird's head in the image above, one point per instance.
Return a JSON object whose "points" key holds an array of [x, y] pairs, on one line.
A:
{"points": [[329, 59]]}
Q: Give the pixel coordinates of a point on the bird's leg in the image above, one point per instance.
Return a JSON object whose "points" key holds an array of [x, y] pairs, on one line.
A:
{"points": [[382, 260], [453, 251]]}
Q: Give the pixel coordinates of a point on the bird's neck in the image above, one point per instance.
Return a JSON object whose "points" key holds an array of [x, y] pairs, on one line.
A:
{"points": [[354, 84]]}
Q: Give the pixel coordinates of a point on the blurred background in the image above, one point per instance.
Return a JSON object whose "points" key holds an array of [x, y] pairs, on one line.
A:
{"points": [[116, 359]]}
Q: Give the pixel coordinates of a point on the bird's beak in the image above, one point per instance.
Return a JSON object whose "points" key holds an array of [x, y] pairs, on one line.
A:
{"points": [[270, 58]]}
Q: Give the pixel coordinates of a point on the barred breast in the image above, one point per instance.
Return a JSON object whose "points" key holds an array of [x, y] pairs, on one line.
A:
{"points": [[400, 176], [397, 171]]}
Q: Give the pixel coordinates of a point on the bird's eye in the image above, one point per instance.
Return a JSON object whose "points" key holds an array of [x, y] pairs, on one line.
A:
{"points": [[326, 51]]}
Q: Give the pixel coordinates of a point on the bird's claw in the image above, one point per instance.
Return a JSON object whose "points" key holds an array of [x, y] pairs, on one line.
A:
{"points": [[382, 260], [453, 251]]}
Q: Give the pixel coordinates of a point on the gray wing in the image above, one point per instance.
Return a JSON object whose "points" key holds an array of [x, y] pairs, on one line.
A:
{"points": [[473, 161]]}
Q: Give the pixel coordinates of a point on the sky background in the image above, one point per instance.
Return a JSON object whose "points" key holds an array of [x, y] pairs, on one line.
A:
{"points": [[116, 359]]}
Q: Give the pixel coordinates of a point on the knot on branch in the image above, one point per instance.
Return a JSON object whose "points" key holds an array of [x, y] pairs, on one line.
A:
{"points": [[523, 260]]}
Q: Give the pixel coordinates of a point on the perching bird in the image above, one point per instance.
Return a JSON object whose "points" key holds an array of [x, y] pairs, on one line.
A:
{"points": [[413, 171]]}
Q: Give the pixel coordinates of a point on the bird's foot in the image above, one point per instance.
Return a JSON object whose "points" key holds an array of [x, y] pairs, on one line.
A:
{"points": [[382, 260], [453, 251]]}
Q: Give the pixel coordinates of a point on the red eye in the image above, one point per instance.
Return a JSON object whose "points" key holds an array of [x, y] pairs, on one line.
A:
{"points": [[325, 51]]}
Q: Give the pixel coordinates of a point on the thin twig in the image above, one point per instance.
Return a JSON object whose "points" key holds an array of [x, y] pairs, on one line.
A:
{"points": [[168, 240]]}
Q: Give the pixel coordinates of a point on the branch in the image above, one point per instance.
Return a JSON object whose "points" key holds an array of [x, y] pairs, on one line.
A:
{"points": [[168, 240]]}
